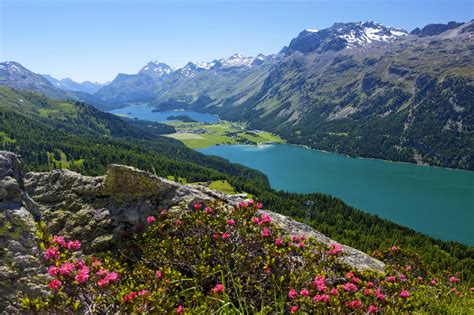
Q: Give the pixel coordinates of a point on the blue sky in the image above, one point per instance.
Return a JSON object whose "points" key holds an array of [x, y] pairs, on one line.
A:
{"points": [[95, 40]]}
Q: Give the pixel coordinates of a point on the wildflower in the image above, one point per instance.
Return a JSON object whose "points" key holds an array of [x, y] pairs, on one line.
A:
{"points": [[354, 304], [259, 205], [471, 289], [394, 248], [355, 280], [180, 309], [54, 284], [420, 278], [265, 218], [404, 294], [208, 210], [66, 268], [219, 288], [128, 297], [225, 235], [379, 295], [231, 222], [197, 205], [53, 270], [433, 282], [164, 213], [102, 272], [369, 284], [334, 291], [255, 220], [111, 276], [278, 241], [349, 287], [454, 279], [102, 282], [59, 240], [159, 274], [391, 279], [150, 219], [215, 236], [95, 262], [82, 275], [301, 244], [267, 270], [321, 298], [408, 268], [143, 292], [80, 264], [265, 232], [52, 253], [304, 292], [243, 204], [74, 245], [250, 201], [334, 249], [294, 309], [367, 292], [292, 294], [178, 222], [320, 283], [372, 309], [349, 275], [403, 277]]}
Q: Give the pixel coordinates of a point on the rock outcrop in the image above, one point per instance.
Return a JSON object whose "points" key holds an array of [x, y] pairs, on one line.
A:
{"points": [[98, 211]]}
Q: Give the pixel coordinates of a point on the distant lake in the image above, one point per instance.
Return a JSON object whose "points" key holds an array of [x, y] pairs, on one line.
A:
{"points": [[145, 112], [435, 201]]}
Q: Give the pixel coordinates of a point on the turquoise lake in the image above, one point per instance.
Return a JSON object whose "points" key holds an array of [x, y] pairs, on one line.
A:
{"points": [[144, 112], [435, 201]]}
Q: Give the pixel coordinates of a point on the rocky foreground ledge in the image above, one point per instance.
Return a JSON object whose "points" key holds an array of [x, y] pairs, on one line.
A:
{"points": [[97, 211]]}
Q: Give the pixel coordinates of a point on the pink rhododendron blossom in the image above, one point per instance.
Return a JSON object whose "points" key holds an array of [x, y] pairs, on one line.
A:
{"points": [[231, 222], [301, 244], [321, 298], [349, 287], [454, 279], [66, 268], [180, 310], [178, 222], [255, 220], [294, 309], [208, 210], [433, 282], [420, 278], [163, 213], [267, 270], [394, 248], [159, 274], [111, 276], [265, 218], [197, 205], [379, 295], [320, 283], [219, 288], [102, 282], [151, 219], [225, 235], [53, 271], [404, 294], [355, 280], [102, 272], [82, 275], [243, 204], [367, 292], [259, 205], [250, 201], [54, 284], [304, 292], [335, 249], [354, 304], [215, 236], [372, 309], [370, 284], [408, 268], [128, 297], [265, 232], [391, 279], [278, 242], [334, 291], [74, 245], [144, 292], [292, 294], [349, 275], [59, 240], [51, 253]]}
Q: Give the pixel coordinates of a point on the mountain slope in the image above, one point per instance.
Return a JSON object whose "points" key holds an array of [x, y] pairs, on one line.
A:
{"points": [[70, 85]]}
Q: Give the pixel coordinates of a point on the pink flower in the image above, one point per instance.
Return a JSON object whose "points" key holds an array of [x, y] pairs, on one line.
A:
{"points": [[102, 272], [304, 292], [219, 288], [267, 270], [197, 205], [265, 232], [321, 298], [255, 220], [379, 295], [367, 292], [373, 309], [259, 205], [354, 304], [278, 242], [59, 240], [403, 277], [265, 218], [394, 248], [52, 253], [128, 297], [150, 219], [163, 213], [66, 268], [178, 222], [294, 309], [243, 204], [74, 245], [158, 274], [391, 279], [250, 201], [404, 294], [349, 275], [335, 249], [355, 280], [54, 284], [454, 279], [433, 282], [320, 283], [349, 287], [180, 310], [420, 278], [102, 282], [225, 235], [408, 268], [471, 289], [370, 284], [208, 210], [82, 275], [53, 271], [301, 244], [334, 291], [80, 264], [111, 276], [143, 292], [215, 236], [231, 222], [292, 294]]}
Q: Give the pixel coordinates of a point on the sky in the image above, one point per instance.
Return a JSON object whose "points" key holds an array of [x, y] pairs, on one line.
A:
{"points": [[96, 39]]}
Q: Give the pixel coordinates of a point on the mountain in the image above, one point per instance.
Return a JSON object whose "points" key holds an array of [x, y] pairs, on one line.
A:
{"points": [[14, 75], [156, 70], [70, 85], [435, 29]]}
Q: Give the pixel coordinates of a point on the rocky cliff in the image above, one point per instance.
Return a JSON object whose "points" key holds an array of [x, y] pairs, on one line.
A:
{"points": [[98, 211]]}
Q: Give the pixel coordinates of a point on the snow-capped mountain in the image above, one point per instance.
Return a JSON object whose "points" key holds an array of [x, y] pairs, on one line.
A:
{"points": [[344, 35], [71, 85], [156, 69]]}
